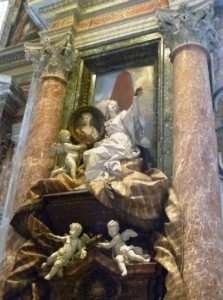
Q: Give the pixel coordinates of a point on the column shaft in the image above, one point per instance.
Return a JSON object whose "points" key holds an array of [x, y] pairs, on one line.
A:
{"points": [[195, 174], [38, 160]]}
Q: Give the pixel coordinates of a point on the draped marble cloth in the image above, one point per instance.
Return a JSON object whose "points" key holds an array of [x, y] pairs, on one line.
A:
{"points": [[124, 133], [139, 198], [169, 249]]}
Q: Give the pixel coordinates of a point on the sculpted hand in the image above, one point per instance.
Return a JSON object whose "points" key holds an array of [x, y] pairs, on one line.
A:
{"points": [[138, 91], [83, 254], [83, 146]]}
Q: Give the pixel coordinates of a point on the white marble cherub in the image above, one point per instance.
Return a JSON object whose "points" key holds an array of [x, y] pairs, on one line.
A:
{"points": [[72, 249], [73, 154], [122, 253]]}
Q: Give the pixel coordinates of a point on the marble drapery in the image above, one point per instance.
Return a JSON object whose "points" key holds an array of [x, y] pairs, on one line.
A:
{"points": [[138, 199]]}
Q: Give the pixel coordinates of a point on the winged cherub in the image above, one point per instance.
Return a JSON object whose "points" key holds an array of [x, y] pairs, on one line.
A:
{"points": [[73, 154], [72, 248], [122, 253]]}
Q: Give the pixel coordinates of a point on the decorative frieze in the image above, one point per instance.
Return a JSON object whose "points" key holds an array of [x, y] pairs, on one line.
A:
{"points": [[47, 12], [185, 26], [52, 58]]}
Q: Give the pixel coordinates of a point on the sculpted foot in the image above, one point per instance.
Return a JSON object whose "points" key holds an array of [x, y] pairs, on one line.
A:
{"points": [[47, 277], [124, 273]]}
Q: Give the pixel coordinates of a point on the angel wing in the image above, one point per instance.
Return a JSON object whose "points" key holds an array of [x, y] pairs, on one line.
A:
{"points": [[57, 148], [128, 233]]}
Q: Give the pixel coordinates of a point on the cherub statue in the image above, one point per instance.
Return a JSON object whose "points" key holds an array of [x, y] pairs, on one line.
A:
{"points": [[73, 154], [122, 253], [73, 248]]}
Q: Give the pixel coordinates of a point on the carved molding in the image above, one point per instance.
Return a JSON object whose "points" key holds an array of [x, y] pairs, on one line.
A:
{"points": [[52, 57], [8, 20], [43, 12], [185, 26]]}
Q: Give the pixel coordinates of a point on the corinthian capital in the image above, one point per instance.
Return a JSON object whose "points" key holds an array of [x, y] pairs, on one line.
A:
{"points": [[185, 26], [52, 57]]}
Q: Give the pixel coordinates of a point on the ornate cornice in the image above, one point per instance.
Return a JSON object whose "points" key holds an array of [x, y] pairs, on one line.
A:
{"points": [[47, 12], [52, 57], [8, 20], [186, 26]]}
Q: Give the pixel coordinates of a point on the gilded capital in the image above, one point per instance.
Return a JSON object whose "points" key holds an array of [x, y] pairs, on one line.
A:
{"points": [[52, 57], [185, 26]]}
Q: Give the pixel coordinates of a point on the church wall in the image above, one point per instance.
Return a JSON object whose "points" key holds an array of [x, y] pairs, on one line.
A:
{"points": [[24, 77]]}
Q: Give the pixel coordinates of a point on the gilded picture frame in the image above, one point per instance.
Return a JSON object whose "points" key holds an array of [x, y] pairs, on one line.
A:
{"points": [[86, 125]]}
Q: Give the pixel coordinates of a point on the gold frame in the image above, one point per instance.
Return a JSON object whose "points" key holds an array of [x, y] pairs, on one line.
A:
{"points": [[97, 122]]}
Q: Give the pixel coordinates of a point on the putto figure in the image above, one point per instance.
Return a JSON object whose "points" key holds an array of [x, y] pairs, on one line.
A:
{"points": [[72, 249], [73, 154], [122, 253]]}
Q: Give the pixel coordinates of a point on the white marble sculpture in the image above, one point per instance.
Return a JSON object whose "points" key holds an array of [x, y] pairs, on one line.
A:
{"points": [[122, 253], [73, 248], [73, 154], [124, 131]]}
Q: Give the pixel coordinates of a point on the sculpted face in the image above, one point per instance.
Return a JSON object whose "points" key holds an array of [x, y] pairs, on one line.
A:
{"points": [[113, 108], [113, 228], [75, 229], [65, 136]]}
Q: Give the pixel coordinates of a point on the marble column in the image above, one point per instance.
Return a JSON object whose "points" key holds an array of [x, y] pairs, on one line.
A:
{"points": [[52, 62], [53, 59], [191, 35]]}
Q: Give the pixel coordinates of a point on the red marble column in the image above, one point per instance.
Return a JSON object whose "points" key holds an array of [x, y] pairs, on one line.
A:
{"points": [[38, 160], [195, 174], [52, 59]]}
